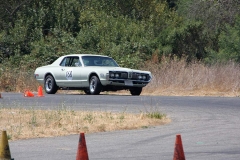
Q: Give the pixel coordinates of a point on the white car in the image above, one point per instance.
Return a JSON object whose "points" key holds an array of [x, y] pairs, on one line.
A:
{"points": [[92, 74]]}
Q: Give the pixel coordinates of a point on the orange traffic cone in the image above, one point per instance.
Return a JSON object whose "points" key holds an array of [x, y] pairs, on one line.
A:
{"points": [[40, 91], [82, 153], [28, 93], [178, 151], [4, 147]]}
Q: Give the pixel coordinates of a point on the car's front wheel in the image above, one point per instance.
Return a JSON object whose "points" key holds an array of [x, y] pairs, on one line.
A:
{"points": [[50, 85], [95, 85], [87, 91], [136, 91]]}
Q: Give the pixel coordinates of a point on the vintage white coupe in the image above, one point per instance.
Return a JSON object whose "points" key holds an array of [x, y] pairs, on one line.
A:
{"points": [[92, 74]]}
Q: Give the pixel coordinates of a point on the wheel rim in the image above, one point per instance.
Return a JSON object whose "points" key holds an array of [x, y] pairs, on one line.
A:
{"points": [[92, 85], [48, 84]]}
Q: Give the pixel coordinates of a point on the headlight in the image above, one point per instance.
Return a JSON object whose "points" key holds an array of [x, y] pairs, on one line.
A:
{"points": [[116, 75], [112, 75], [139, 77], [144, 77]]}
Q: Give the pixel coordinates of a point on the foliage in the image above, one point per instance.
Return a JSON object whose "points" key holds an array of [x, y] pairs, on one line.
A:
{"points": [[216, 17], [229, 41], [35, 33]]}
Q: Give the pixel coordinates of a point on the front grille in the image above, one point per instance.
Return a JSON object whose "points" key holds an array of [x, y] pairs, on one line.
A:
{"points": [[124, 75], [129, 75], [135, 76]]}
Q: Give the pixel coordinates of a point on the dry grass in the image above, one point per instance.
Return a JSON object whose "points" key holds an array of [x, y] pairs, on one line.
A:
{"points": [[174, 77], [17, 80], [23, 123]]}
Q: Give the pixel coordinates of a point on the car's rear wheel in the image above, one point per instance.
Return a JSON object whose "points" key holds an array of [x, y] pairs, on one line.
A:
{"points": [[136, 91], [95, 85], [50, 85]]}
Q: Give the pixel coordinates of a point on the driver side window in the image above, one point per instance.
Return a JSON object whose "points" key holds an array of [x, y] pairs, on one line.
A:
{"points": [[71, 62], [76, 62], [64, 62]]}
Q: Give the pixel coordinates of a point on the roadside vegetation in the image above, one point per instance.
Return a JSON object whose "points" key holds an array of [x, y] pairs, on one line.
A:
{"points": [[190, 46], [178, 78], [23, 123], [171, 77]]}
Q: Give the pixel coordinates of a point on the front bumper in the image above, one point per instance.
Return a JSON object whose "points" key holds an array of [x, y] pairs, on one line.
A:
{"points": [[124, 83]]}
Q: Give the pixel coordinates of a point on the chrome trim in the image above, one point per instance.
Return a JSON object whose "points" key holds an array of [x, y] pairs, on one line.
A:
{"points": [[107, 76], [130, 74]]}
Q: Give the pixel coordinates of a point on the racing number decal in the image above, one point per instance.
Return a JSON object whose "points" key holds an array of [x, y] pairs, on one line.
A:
{"points": [[69, 75]]}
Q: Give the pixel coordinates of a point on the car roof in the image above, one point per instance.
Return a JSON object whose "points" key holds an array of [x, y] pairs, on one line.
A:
{"points": [[84, 55], [58, 61]]}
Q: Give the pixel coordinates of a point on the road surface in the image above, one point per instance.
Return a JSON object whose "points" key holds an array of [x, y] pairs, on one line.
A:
{"points": [[209, 127]]}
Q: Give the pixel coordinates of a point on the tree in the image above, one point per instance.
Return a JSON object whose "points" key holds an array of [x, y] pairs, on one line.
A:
{"points": [[229, 41], [8, 12], [214, 15]]}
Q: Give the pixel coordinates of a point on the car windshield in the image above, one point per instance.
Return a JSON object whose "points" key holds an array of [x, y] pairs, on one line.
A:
{"points": [[99, 61]]}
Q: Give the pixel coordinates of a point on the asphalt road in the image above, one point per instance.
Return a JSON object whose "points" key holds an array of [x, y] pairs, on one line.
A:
{"points": [[209, 127]]}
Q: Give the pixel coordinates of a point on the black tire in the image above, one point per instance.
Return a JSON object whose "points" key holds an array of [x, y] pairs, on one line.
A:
{"points": [[136, 91], [95, 85], [50, 85], [87, 91]]}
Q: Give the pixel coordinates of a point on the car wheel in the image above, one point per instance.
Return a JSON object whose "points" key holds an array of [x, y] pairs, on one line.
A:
{"points": [[95, 85], [50, 85], [136, 91], [87, 91]]}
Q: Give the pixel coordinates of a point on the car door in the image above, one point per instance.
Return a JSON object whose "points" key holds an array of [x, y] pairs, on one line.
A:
{"points": [[75, 72], [70, 69]]}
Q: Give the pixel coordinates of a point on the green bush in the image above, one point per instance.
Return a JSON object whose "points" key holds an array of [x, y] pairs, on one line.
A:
{"points": [[229, 40], [129, 31]]}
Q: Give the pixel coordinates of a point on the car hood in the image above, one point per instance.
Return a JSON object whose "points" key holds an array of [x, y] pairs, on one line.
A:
{"points": [[124, 69]]}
